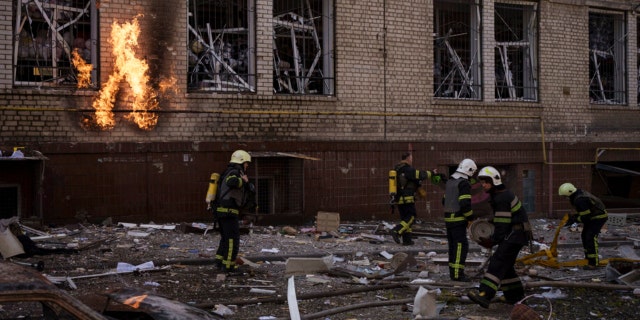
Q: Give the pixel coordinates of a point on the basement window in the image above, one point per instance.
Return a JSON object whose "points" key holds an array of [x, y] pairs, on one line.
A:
{"points": [[516, 57], [222, 46], [48, 33], [457, 49], [607, 43], [303, 32]]}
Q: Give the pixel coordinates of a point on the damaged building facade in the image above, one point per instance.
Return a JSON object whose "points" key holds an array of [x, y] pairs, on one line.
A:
{"points": [[123, 109]]}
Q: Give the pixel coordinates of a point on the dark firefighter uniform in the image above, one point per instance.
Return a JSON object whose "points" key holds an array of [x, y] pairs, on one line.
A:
{"points": [[592, 214], [233, 195], [409, 180], [512, 232], [457, 214]]}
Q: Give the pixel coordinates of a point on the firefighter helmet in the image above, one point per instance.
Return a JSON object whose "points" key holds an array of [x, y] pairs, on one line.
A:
{"points": [[566, 189], [468, 167], [240, 157], [492, 173]]}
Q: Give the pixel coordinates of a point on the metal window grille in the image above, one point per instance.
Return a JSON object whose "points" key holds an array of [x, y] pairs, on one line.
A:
{"points": [[457, 50], [516, 58], [221, 45], [47, 33], [607, 43], [279, 184], [303, 47]]}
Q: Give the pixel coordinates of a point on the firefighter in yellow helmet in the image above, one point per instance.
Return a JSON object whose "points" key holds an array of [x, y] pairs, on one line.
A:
{"points": [[591, 212], [511, 232], [232, 197]]}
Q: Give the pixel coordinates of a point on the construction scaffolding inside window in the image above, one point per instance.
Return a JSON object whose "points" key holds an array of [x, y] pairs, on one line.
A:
{"points": [[48, 33], [457, 49], [221, 45], [607, 43], [516, 56], [303, 47]]}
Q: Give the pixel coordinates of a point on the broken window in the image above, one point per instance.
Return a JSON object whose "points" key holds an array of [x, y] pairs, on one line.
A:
{"points": [[49, 35], [607, 43], [303, 47], [516, 57], [221, 45], [457, 49]]}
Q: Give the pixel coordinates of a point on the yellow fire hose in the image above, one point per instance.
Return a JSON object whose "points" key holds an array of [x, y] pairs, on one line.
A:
{"points": [[551, 254]]}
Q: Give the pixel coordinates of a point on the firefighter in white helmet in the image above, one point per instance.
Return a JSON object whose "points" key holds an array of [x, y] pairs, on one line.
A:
{"points": [[457, 214], [512, 231], [233, 195], [591, 212]]}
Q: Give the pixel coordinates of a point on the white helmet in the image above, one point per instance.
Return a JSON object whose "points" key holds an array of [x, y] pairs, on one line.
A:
{"points": [[491, 172], [467, 167], [240, 157]]}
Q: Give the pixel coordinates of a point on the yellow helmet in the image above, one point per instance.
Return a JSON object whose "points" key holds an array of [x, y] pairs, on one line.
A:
{"points": [[240, 157], [566, 189]]}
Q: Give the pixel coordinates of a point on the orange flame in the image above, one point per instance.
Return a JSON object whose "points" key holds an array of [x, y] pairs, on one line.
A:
{"points": [[84, 69], [124, 38], [135, 301]]}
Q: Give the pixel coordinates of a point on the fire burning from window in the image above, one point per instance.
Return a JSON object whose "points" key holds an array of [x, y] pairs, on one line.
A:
{"points": [[84, 69], [132, 70]]}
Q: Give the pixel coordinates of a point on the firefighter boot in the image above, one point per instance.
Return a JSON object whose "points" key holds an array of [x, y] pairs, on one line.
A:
{"points": [[406, 239], [394, 234], [479, 297]]}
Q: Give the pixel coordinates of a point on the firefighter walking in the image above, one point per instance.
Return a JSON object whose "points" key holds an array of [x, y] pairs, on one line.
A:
{"points": [[512, 232], [407, 180], [457, 215]]}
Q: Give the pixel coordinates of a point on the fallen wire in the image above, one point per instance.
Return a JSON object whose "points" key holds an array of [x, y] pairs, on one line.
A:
{"points": [[357, 306]]}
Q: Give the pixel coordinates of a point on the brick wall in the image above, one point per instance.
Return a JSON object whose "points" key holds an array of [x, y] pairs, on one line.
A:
{"points": [[384, 87]]}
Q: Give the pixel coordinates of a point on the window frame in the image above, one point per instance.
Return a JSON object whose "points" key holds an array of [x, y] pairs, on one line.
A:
{"points": [[598, 93]]}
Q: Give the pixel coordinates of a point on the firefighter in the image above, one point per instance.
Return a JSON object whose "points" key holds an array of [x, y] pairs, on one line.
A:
{"points": [[232, 194], [409, 180], [512, 232], [457, 215], [591, 212]]}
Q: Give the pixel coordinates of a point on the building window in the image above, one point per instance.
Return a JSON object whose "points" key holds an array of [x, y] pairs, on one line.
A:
{"points": [[516, 57], [303, 33], [457, 49], [49, 36], [607, 43], [221, 46]]}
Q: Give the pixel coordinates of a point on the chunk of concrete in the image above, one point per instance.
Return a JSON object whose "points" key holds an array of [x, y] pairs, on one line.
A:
{"points": [[308, 265]]}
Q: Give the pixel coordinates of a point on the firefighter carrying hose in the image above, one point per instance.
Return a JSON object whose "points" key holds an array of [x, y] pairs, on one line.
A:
{"points": [[591, 212], [511, 232], [407, 180]]}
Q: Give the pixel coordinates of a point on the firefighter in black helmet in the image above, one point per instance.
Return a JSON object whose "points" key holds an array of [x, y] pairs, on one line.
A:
{"points": [[409, 180], [511, 232], [232, 196]]}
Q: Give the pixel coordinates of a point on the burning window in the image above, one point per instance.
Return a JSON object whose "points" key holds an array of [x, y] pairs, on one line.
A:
{"points": [[221, 45], [303, 47], [457, 49], [49, 34], [516, 59], [607, 43]]}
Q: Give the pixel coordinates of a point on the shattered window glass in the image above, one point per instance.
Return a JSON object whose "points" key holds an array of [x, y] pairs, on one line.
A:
{"points": [[303, 47], [457, 49], [607, 43], [54, 40], [516, 57], [221, 45]]}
